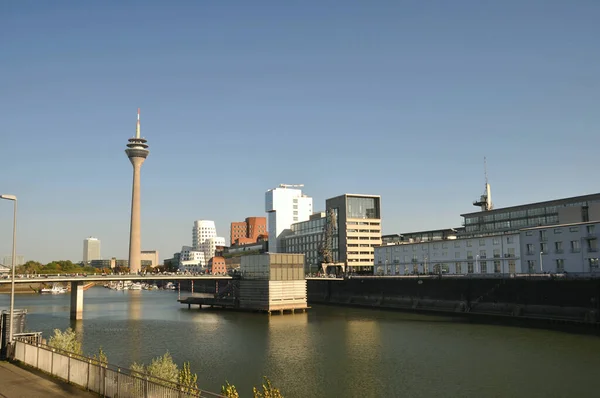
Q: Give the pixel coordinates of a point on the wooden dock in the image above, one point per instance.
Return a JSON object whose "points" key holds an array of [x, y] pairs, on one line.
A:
{"points": [[232, 304]]}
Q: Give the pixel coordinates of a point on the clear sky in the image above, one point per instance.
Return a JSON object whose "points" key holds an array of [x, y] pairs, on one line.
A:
{"points": [[397, 98]]}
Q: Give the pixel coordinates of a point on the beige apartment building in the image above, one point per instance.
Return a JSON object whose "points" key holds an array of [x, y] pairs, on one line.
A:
{"points": [[356, 233]]}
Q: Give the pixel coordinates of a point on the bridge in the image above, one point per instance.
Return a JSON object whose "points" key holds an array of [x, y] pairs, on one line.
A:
{"points": [[77, 283]]}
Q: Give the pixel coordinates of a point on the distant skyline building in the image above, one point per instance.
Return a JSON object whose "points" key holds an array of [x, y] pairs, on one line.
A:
{"points": [[91, 249], [205, 239], [8, 261], [150, 258], [247, 231], [137, 151], [285, 205]]}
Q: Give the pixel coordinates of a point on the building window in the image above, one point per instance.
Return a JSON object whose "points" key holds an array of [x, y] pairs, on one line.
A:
{"points": [[458, 268], [543, 236], [481, 242], [456, 244], [470, 267], [512, 266], [510, 239], [496, 241], [456, 254], [482, 254], [529, 233], [469, 255], [511, 252], [496, 253], [444, 245], [469, 243], [575, 246], [557, 231], [530, 266], [558, 247], [574, 229], [593, 262], [591, 229], [497, 267], [530, 249], [560, 265], [484, 267], [544, 248]]}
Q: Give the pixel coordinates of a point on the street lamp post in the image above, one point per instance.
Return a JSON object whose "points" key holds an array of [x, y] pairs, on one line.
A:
{"points": [[14, 265], [541, 263]]}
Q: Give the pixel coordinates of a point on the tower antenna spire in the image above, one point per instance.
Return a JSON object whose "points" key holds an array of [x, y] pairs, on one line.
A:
{"points": [[484, 162], [137, 129]]}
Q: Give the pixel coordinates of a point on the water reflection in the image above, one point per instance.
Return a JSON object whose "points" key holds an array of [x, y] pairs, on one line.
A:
{"points": [[329, 351]]}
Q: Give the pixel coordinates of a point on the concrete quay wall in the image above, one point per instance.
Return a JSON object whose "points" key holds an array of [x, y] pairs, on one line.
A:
{"points": [[575, 301]]}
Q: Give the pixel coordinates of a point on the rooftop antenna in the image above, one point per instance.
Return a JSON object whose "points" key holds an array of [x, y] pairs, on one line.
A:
{"points": [[485, 201], [484, 162]]}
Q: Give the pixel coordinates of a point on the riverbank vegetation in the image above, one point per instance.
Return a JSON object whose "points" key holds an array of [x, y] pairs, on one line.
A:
{"points": [[161, 370]]}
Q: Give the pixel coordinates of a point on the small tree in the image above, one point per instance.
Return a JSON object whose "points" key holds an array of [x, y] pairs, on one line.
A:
{"points": [[65, 341], [268, 390], [101, 359], [163, 368], [188, 379], [229, 390]]}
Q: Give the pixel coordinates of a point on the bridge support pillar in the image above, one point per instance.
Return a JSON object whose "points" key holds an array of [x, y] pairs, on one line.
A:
{"points": [[76, 300]]}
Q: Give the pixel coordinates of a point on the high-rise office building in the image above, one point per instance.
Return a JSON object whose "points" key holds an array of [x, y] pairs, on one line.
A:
{"points": [[91, 249], [355, 233], [20, 260], [285, 206]]}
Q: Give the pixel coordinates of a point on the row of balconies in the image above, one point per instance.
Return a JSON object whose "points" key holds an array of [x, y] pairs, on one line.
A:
{"points": [[561, 251]]}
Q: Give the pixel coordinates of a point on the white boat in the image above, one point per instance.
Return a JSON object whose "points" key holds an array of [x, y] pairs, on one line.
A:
{"points": [[55, 289], [135, 286]]}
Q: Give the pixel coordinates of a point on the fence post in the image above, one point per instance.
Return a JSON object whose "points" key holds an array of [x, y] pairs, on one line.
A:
{"points": [[87, 383], [69, 369], [52, 363], [103, 368], [146, 387], [37, 356], [118, 383], [24, 351]]}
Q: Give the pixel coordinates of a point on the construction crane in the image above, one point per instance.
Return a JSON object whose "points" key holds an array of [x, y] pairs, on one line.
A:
{"points": [[326, 246], [291, 185]]}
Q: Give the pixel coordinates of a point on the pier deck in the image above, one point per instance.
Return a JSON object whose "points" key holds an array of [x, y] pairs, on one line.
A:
{"points": [[229, 303]]}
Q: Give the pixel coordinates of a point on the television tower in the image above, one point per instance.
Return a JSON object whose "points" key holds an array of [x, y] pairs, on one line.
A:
{"points": [[137, 151]]}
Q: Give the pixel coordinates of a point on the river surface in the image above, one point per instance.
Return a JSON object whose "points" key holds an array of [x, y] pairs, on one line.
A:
{"points": [[329, 351]]}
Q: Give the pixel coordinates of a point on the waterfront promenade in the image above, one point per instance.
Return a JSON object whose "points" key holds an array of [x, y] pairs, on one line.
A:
{"points": [[18, 382]]}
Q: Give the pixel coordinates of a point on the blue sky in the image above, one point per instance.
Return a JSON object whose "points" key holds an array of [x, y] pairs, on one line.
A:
{"points": [[397, 98]]}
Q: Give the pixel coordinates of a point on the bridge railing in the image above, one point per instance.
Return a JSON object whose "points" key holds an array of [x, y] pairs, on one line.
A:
{"points": [[104, 379]]}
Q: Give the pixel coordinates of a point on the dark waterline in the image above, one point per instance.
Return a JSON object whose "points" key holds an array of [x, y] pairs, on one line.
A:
{"points": [[329, 351]]}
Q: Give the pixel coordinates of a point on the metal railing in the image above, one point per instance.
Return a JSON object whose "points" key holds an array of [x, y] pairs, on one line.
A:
{"points": [[105, 379]]}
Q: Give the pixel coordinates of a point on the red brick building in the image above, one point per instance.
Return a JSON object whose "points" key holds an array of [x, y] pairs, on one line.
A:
{"points": [[248, 231], [216, 265]]}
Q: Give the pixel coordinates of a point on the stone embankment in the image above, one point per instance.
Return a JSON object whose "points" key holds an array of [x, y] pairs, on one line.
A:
{"points": [[562, 301]]}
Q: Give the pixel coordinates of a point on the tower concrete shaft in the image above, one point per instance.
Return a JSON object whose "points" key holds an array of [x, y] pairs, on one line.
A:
{"points": [[135, 239], [137, 151]]}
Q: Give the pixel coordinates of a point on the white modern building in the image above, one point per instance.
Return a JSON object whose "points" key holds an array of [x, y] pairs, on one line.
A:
{"points": [[571, 248], [285, 206], [205, 239], [492, 254], [191, 259], [552, 236], [91, 249]]}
